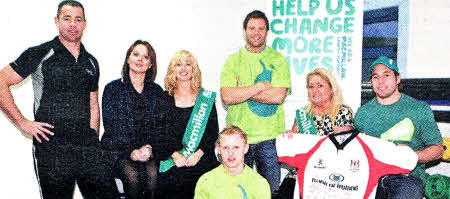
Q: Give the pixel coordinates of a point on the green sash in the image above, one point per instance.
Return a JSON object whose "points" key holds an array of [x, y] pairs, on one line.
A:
{"points": [[305, 122], [195, 127]]}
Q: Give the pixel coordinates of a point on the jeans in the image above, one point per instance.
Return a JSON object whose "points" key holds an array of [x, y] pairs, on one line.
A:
{"points": [[265, 156], [400, 187]]}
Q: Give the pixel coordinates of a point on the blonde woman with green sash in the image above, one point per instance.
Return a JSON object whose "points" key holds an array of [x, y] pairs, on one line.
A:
{"points": [[325, 112], [189, 129]]}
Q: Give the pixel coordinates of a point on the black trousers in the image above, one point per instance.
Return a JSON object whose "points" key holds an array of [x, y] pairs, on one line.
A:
{"points": [[58, 166]]}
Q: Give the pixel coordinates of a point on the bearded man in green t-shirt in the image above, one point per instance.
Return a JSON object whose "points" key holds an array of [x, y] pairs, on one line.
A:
{"points": [[392, 112], [254, 83]]}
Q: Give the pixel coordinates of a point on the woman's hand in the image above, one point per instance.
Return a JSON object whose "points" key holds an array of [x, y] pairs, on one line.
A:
{"points": [[142, 154], [180, 160], [289, 134], [194, 158]]}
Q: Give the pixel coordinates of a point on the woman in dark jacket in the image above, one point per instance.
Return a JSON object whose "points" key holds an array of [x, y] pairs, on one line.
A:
{"points": [[183, 85], [129, 106]]}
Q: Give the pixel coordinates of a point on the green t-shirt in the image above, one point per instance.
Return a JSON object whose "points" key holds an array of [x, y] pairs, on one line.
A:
{"points": [[247, 66], [218, 184], [375, 119]]}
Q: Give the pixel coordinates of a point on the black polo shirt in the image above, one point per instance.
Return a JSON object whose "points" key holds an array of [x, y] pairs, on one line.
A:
{"points": [[61, 84]]}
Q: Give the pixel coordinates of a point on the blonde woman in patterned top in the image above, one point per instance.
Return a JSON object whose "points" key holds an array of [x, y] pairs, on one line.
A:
{"points": [[327, 110], [325, 104]]}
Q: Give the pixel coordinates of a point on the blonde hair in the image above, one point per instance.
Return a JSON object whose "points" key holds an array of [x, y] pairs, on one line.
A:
{"points": [[336, 96], [232, 130], [170, 81]]}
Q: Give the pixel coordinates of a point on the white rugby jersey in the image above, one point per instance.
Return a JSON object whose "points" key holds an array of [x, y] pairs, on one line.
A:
{"points": [[344, 165]]}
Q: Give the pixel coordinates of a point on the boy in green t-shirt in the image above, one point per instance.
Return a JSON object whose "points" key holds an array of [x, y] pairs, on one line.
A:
{"points": [[232, 179], [391, 109]]}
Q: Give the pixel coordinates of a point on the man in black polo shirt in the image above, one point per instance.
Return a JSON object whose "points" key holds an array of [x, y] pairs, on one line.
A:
{"points": [[65, 82]]}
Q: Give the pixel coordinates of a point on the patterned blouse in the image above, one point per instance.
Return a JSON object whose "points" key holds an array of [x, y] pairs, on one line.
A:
{"points": [[323, 122], [324, 127]]}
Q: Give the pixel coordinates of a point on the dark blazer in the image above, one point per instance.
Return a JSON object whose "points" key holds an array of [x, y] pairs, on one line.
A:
{"points": [[121, 136]]}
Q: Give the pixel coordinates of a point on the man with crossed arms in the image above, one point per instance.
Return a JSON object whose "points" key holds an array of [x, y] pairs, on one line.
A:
{"points": [[254, 83]]}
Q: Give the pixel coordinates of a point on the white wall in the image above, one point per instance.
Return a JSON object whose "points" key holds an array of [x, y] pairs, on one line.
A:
{"points": [[212, 30], [429, 41]]}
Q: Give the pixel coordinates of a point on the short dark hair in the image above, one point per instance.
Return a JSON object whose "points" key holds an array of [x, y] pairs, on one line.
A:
{"points": [[151, 53], [69, 3], [256, 14]]}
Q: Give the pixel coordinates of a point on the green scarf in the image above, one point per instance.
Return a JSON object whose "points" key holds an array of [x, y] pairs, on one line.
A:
{"points": [[195, 127], [305, 122]]}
